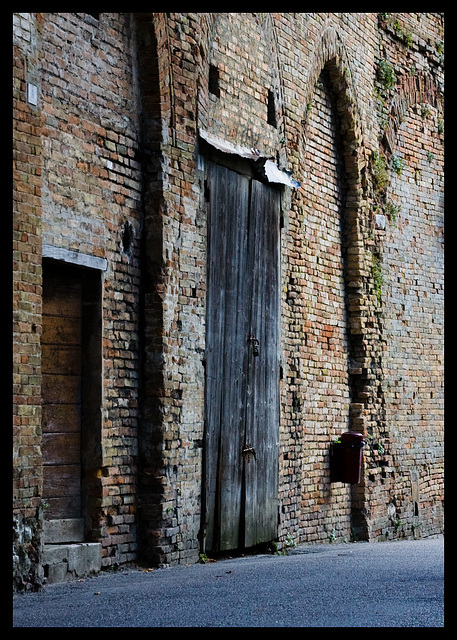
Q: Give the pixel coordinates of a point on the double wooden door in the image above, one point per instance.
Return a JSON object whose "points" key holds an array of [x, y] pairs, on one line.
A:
{"points": [[242, 361]]}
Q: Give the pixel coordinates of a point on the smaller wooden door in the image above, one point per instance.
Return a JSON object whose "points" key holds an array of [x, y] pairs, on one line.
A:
{"points": [[61, 392]]}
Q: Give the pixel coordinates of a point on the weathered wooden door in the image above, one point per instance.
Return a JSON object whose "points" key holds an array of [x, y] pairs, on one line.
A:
{"points": [[61, 392], [242, 361]]}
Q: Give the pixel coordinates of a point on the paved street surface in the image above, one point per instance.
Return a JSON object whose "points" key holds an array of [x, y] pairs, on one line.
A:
{"points": [[386, 584]]}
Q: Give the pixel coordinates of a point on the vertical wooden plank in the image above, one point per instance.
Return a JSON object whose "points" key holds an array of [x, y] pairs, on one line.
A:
{"points": [[215, 316], [236, 284], [262, 427], [225, 353]]}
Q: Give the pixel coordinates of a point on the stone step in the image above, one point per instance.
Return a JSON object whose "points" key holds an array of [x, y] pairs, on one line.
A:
{"points": [[64, 562]]}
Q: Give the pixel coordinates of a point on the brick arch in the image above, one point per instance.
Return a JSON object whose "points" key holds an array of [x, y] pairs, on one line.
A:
{"points": [[331, 55], [205, 39], [323, 335], [208, 25], [153, 67], [329, 47]]}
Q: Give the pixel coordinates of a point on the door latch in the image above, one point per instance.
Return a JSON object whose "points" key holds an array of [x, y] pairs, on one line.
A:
{"points": [[248, 452], [255, 345]]}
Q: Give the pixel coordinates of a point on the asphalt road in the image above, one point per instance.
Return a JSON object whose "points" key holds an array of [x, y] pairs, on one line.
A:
{"points": [[387, 584]]}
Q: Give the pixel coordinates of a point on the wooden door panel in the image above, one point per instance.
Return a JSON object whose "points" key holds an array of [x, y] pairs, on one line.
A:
{"points": [[63, 294], [62, 448], [62, 507], [63, 494], [61, 330], [61, 389], [241, 399], [62, 480], [61, 418], [62, 359]]}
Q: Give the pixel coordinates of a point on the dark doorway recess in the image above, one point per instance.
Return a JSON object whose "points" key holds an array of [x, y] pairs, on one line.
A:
{"points": [[71, 398]]}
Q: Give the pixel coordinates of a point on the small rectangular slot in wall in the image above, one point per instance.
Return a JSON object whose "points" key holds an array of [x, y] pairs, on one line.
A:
{"points": [[271, 113], [214, 81]]}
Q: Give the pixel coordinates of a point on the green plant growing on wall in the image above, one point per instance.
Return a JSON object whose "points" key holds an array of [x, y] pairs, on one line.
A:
{"points": [[392, 210], [379, 170], [397, 523], [397, 164], [378, 279], [385, 74], [439, 45], [425, 110], [408, 40], [398, 29], [382, 117], [289, 542], [416, 525]]}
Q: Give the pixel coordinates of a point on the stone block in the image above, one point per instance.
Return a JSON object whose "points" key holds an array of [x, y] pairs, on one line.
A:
{"points": [[64, 531], [63, 562]]}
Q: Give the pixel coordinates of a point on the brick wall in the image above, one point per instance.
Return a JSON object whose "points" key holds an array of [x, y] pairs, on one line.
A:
{"points": [[398, 463], [27, 163], [87, 201], [106, 165], [92, 185], [414, 322], [413, 272]]}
